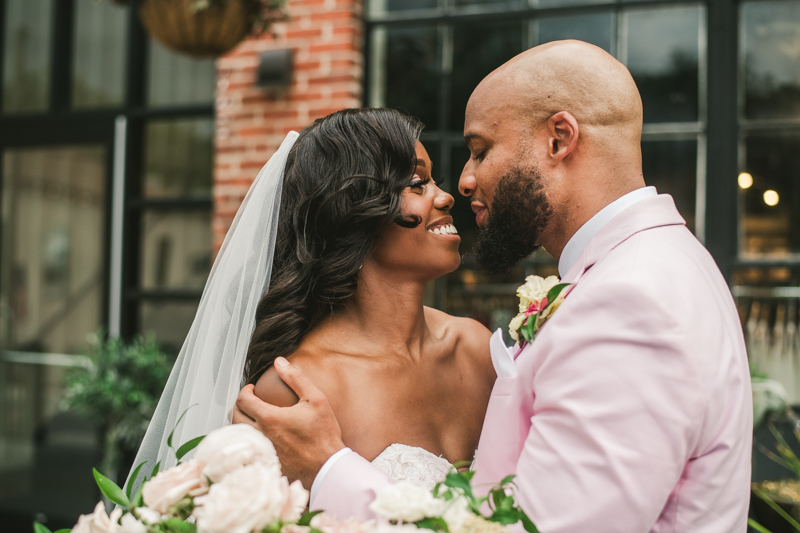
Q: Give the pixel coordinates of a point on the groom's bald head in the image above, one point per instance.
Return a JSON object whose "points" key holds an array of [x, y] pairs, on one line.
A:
{"points": [[560, 123]]}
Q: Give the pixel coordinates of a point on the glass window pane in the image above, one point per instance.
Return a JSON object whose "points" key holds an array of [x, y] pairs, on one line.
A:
{"points": [[53, 223], [478, 49], [177, 79], [671, 166], [179, 158], [564, 3], [98, 77], [595, 28], [663, 56], [407, 76], [168, 321], [46, 454], [26, 58], [501, 3], [176, 249], [772, 76], [380, 7], [771, 220]]}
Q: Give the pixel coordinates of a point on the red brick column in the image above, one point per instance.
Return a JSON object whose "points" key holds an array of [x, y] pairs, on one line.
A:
{"points": [[327, 39]]}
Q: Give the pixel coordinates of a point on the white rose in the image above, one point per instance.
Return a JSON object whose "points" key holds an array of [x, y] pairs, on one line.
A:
{"points": [[172, 485], [514, 325], [456, 513], [406, 503], [129, 524], [148, 516], [230, 447], [328, 524], [99, 521], [294, 528], [534, 290], [296, 501], [396, 528], [247, 499]]}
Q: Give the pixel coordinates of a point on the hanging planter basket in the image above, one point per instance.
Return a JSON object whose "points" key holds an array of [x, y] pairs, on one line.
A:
{"points": [[207, 28]]}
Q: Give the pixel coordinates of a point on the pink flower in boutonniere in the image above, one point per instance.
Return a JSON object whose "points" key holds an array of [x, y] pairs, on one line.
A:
{"points": [[538, 300]]}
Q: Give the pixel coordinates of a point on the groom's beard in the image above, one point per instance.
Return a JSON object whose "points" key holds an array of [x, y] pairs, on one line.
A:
{"points": [[519, 213]]}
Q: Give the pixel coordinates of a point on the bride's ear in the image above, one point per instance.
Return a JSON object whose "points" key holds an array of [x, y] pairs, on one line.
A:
{"points": [[562, 131]]}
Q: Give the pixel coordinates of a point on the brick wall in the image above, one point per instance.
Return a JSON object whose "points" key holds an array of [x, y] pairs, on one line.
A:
{"points": [[326, 36]]}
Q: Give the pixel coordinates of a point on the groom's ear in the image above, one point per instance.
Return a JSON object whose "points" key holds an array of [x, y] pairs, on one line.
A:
{"points": [[562, 132]]}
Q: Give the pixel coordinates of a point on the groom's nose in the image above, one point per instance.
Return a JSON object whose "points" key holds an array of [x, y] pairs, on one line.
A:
{"points": [[467, 183]]}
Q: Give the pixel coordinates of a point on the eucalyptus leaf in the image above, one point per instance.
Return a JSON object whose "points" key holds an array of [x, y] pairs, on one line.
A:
{"points": [[457, 481], [188, 446], [505, 516], [40, 528], [132, 480], [508, 479], [110, 489]]}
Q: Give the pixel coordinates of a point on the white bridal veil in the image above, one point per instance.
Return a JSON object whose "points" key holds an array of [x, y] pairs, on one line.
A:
{"points": [[209, 371]]}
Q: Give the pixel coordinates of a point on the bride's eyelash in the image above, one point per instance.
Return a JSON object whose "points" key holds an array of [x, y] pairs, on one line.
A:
{"points": [[418, 184]]}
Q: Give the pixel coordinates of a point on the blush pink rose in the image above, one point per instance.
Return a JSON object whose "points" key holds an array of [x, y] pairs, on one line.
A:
{"points": [[230, 447], [99, 521], [296, 501], [171, 486]]}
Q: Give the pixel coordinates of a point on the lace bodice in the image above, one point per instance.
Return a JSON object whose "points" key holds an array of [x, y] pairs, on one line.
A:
{"points": [[415, 465]]}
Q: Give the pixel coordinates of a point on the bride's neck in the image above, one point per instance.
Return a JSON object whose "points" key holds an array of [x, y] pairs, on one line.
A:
{"points": [[386, 310]]}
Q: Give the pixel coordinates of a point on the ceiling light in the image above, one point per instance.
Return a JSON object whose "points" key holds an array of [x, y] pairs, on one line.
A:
{"points": [[771, 198], [745, 180]]}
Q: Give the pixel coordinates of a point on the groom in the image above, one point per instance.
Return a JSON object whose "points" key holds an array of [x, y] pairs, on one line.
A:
{"points": [[631, 410]]}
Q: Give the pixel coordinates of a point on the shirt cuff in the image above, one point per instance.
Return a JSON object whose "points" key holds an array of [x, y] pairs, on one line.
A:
{"points": [[324, 471]]}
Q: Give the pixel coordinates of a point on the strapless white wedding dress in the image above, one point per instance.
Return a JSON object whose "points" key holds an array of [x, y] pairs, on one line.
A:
{"points": [[416, 465]]}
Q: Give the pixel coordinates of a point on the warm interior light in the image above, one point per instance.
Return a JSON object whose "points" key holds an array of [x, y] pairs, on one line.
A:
{"points": [[745, 180], [771, 198]]}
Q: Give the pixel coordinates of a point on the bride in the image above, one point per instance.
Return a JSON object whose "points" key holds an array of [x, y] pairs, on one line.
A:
{"points": [[326, 264]]}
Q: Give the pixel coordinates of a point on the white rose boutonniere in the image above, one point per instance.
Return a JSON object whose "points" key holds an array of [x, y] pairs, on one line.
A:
{"points": [[538, 299]]}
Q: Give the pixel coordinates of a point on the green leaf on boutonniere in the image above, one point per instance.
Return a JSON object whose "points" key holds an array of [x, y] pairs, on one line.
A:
{"points": [[554, 293], [529, 329], [110, 489], [305, 519], [435, 524], [186, 447]]}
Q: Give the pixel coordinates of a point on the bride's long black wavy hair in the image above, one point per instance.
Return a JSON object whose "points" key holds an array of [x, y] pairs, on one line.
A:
{"points": [[343, 183]]}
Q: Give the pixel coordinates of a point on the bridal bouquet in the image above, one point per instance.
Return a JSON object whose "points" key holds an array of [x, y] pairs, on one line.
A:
{"points": [[234, 484]]}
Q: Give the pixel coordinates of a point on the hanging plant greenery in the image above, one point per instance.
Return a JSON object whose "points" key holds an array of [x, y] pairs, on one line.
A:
{"points": [[207, 28]]}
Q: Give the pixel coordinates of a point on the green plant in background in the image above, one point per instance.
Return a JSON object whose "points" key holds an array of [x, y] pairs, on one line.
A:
{"points": [[119, 390]]}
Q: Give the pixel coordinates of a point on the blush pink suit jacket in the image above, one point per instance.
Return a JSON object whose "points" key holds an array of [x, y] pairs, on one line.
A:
{"points": [[631, 411]]}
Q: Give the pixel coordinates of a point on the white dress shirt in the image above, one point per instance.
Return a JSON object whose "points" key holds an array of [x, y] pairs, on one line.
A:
{"points": [[572, 251]]}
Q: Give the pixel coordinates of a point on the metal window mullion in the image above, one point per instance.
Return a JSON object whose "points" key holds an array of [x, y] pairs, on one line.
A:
{"points": [[61, 49], [115, 285]]}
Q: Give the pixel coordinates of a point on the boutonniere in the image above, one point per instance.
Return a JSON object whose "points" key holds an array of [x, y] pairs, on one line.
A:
{"points": [[538, 300]]}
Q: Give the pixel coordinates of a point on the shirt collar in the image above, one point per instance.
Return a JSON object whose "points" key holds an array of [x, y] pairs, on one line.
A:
{"points": [[575, 246]]}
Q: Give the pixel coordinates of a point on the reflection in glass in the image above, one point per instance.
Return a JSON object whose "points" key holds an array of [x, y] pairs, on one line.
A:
{"points": [[771, 51], [380, 7], [176, 79], [774, 163], [663, 56], [176, 249], [53, 224], [46, 454], [98, 75], [595, 28], [408, 76], [168, 321], [478, 49], [178, 158], [671, 167], [26, 57]]}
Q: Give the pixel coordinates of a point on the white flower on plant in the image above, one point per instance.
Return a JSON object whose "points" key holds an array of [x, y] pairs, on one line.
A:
{"points": [[230, 447], [248, 499], [456, 513], [405, 502], [129, 524], [99, 521], [172, 485]]}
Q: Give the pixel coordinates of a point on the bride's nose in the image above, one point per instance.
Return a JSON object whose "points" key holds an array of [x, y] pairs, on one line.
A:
{"points": [[443, 201]]}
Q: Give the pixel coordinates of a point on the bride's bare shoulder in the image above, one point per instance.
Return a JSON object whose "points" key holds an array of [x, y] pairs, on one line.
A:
{"points": [[469, 334], [272, 389]]}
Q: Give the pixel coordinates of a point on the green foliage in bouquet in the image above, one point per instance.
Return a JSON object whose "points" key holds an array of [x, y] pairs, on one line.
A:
{"points": [[119, 390]]}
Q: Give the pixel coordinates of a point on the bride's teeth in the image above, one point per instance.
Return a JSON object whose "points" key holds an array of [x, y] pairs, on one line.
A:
{"points": [[437, 231]]}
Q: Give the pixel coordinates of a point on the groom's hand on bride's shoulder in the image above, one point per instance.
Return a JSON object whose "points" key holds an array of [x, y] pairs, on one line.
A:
{"points": [[305, 435]]}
